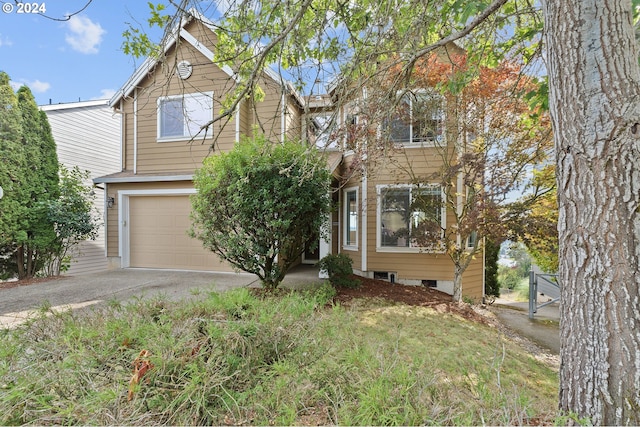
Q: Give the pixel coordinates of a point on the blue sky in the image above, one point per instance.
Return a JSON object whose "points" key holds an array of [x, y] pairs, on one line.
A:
{"points": [[79, 59]]}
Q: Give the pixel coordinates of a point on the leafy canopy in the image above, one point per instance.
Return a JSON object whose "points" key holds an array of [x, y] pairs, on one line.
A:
{"points": [[260, 205]]}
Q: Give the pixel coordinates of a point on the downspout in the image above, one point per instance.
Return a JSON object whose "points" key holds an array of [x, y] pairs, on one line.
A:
{"points": [[365, 207], [282, 113], [238, 122], [123, 129], [459, 207], [135, 131]]}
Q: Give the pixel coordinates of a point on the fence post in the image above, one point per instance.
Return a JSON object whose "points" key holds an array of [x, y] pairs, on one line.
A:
{"points": [[533, 294]]}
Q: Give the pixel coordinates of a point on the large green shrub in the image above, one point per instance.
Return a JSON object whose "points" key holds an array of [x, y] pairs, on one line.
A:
{"points": [[261, 205]]}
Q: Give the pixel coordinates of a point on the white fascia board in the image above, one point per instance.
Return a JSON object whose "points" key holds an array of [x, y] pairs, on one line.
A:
{"points": [[138, 178], [70, 105]]}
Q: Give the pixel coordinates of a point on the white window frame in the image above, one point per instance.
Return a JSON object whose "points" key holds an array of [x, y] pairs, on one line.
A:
{"points": [[345, 215], [380, 190], [430, 142], [191, 127]]}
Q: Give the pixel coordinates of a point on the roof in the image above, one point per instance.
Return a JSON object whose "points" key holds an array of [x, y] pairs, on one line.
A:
{"points": [[170, 40], [70, 105], [129, 176], [180, 32]]}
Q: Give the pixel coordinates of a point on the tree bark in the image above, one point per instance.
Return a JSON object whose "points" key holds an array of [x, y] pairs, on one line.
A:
{"points": [[594, 84]]}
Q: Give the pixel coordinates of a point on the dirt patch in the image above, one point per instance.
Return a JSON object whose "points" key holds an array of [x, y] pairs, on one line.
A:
{"points": [[411, 295], [28, 282]]}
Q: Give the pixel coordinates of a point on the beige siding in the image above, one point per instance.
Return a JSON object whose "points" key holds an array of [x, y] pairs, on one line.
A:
{"points": [[411, 266], [473, 278]]}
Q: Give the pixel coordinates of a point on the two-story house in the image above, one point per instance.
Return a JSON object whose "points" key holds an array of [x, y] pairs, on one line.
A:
{"points": [[164, 106]]}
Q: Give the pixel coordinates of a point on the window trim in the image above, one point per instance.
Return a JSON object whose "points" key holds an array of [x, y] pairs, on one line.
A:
{"points": [[380, 188], [431, 142], [195, 95], [345, 216]]}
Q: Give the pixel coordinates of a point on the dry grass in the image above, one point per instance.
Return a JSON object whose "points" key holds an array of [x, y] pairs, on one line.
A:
{"points": [[288, 359]]}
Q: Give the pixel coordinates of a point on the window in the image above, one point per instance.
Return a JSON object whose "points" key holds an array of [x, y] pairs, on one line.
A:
{"points": [[410, 217], [417, 118], [472, 240], [351, 218], [182, 116], [320, 131]]}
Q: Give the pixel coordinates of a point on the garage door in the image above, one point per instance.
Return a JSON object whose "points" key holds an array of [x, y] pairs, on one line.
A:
{"points": [[158, 237]]}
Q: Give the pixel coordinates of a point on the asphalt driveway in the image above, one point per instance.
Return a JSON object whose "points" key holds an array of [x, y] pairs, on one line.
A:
{"points": [[122, 285]]}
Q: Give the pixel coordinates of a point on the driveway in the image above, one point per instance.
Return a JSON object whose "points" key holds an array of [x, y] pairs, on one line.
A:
{"points": [[85, 290]]}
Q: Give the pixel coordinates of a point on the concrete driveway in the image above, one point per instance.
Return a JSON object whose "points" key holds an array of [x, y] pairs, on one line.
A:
{"points": [[69, 292]]}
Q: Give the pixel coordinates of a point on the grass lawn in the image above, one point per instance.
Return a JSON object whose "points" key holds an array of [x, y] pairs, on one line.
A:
{"points": [[293, 358]]}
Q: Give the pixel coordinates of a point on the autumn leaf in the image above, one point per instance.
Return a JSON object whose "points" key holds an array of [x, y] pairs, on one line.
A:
{"points": [[140, 367]]}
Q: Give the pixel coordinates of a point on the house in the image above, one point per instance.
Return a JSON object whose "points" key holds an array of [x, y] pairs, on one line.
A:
{"points": [[87, 135], [164, 106]]}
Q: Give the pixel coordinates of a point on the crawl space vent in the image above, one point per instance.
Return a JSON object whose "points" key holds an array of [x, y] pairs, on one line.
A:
{"points": [[184, 69]]}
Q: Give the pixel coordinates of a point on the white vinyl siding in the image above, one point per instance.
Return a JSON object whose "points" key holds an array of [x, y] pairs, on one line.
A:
{"points": [[87, 135]]}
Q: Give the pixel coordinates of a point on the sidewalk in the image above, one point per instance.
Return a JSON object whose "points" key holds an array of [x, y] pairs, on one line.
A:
{"points": [[544, 329]]}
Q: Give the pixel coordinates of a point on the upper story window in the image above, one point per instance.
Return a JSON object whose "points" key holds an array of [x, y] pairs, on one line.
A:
{"points": [[182, 116], [320, 129], [410, 217], [418, 118]]}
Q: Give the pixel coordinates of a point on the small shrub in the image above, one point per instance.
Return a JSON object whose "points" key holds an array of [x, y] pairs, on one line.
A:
{"points": [[340, 269]]}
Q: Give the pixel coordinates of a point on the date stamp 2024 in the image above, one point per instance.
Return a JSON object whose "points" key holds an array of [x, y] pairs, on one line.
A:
{"points": [[24, 8]]}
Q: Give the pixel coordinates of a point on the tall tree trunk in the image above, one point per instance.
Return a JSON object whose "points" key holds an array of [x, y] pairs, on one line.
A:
{"points": [[20, 262], [594, 100]]}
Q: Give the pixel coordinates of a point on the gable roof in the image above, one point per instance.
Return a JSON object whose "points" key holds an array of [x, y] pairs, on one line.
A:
{"points": [[180, 32], [170, 40]]}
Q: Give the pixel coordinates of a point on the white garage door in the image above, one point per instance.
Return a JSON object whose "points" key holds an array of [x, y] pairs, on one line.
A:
{"points": [[158, 237]]}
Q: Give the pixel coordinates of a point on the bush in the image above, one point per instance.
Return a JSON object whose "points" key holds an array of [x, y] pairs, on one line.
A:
{"points": [[509, 277], [260, 205], [340, 270]]}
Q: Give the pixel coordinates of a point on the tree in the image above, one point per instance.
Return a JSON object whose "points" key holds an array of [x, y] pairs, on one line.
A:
{"points": [[492, 252], [30, 177], [537, 225], [492, 138], [594, 98], [73, 217], [11, 175], [36, 234], [260, 205]]}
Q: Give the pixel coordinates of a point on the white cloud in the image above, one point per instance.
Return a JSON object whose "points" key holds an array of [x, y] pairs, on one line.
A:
{"points": [[105, 94], [15, 85], [36, 86], [5, 41], [84, 35]]}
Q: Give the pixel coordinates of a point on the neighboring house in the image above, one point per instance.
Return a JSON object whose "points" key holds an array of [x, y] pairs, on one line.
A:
{"points": [[163, 107], [87, 135]]}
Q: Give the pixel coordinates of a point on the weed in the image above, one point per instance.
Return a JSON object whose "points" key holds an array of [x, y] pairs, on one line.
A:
{"points": [[283, 358]]}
